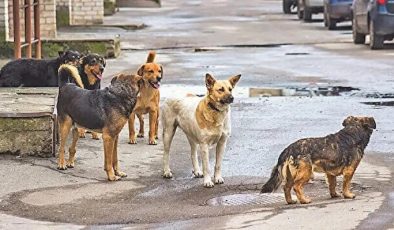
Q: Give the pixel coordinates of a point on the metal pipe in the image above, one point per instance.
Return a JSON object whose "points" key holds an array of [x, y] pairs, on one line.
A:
{"points": [[37, 35], [28, 30], [17, 29]]}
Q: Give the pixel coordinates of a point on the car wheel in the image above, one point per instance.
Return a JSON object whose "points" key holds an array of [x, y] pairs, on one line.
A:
{"points": [[331, 23], [307, 14], [300, 13], [357, 37], [376, 41], [286, 5]]}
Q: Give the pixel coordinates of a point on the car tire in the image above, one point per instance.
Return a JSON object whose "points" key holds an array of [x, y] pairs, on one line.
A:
{"points": [[358, 38], [307, 14], [300, 13], [376, 41], [331, 23], [286, 5]]}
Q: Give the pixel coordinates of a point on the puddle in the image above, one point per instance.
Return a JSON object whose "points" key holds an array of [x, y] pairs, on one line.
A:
{"points": [[179, 91], [379, 103], [296, 53], [308, 91], [246, 199]]}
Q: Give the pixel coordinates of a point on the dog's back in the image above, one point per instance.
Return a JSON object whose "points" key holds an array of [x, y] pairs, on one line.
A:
{"points": [[29, 72]]}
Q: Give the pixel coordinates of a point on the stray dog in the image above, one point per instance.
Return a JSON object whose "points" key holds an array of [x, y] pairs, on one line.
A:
{"points": [[36, 72], [148, 100], [105, 111], [335, 154], [91, 72], [205, 122]]}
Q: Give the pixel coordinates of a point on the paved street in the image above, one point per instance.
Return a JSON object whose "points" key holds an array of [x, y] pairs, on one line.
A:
{"points": [[270, 50]]}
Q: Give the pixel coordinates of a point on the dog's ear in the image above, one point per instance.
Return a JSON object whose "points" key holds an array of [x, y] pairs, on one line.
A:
{"points": [[161, 68], [233, 80], [369, 122], [347, 121], [141, 70], [209, 81], [114, 79]]}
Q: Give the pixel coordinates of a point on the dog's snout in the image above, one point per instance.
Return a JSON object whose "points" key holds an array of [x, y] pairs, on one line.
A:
{"points": [[159, 78], [231, 99], [101, 68]]}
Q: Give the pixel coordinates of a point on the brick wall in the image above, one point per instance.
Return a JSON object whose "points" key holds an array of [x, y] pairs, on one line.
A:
{"points": [[47, 19], [3, 18], [86, 12]]}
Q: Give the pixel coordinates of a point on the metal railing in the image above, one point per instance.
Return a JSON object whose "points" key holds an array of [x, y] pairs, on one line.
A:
{"points": [[28, 4]]}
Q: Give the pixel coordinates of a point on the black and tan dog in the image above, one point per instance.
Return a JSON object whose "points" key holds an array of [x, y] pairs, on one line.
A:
{"points": [[102, 110], [335, 154], [91, 71], [36, 72], [148, 100]]}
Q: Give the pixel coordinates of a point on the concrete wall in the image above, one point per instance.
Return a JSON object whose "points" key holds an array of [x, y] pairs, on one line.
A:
{"points": [[86, 12], [3, 19]]}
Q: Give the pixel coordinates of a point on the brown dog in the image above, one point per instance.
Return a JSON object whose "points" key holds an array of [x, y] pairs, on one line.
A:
{"points": [[335, 154], [148, 100], [105, 111]]}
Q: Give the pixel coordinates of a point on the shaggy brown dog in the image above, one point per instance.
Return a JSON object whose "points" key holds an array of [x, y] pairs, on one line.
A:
{"points": [[335, 154], [148, 100], [105, 111]]}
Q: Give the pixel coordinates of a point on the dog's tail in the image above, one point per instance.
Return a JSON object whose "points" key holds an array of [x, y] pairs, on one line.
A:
{"points": [[277, 174], [69, 74], [151, 57]]}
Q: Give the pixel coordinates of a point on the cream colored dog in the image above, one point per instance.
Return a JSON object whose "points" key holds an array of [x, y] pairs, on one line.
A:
{"points": [[205, 122]]}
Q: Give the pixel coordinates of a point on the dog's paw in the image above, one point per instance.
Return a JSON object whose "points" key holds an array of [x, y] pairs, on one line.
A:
{"points": [[140, 135], [81, 134], [132, 141], [114, 178], [208, 184], [334, 195], [167, 174], [120, 173], [152, 142], [219, 180], [61, 167], [291, 202], [305, 201], [198, 174], [349, 195], [95, 136], [70, 164]]}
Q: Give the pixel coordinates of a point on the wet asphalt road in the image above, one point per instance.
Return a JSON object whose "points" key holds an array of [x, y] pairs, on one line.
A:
{"points": [[269, 50]]}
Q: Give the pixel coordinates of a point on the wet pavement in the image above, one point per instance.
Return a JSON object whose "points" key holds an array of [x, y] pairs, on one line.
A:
{"points": [[271, 51]]}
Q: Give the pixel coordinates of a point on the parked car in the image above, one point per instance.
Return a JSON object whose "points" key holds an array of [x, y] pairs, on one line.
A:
{"points": [[288, 5], [337, 11], [373, 17], [305, 8]]}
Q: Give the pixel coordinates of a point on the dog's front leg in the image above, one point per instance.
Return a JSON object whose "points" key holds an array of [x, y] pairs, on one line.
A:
{"points": [[115, 161], [152, 127], [205, 166], [348, 173], [109, 143], [132, 129], [220, 147]]}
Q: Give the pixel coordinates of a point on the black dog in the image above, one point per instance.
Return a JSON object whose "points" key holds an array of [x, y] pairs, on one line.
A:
{"points": [[36, 72], [91, 70], [101, 110]]}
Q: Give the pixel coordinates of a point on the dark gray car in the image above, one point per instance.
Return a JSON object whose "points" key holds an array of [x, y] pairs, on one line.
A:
{"points": [[336, 11], [373, 17]]}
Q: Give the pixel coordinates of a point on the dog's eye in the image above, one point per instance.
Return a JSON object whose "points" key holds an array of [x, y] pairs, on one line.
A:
{"points": [[159, 71], [230, 89], [151, 71], [221, 89]]}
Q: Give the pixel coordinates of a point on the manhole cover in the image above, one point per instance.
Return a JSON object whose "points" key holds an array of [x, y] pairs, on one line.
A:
{"points": [[246, 199]]}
